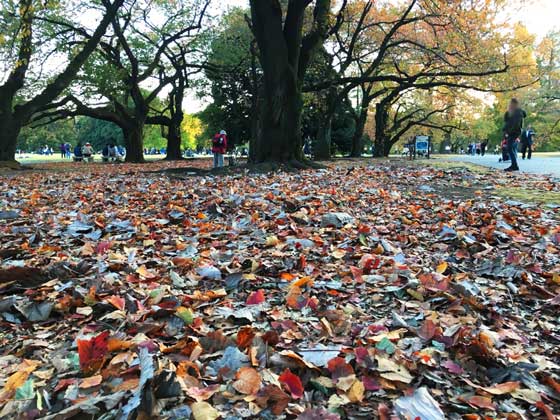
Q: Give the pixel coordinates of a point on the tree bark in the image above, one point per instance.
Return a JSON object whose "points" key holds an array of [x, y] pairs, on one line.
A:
{"points": [[381, 138], [134, 140], [284, 54], [279, 134], [322, 149], [174, 141], [358, 137], [8, 138]]}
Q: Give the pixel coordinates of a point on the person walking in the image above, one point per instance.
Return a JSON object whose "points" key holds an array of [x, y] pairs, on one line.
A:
{"points": [[513, 127], [219, 147], [62, 150], [483, 146], [527, 140]]}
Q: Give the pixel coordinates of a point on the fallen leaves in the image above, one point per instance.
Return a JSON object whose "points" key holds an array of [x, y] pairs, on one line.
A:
{"points": [[240, 295]]}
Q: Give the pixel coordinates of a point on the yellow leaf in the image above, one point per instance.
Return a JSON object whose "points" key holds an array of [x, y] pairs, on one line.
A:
{"points": [[204, 411], [356, 392], [272, 241], [18, 378], [442, 267]]}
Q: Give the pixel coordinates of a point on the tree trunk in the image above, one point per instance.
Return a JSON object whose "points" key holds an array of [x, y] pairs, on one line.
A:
{"points": [[8, 138], [279, 134], [381, 138], [134, 140], [174, 142], [358, 137], [322, 149]]}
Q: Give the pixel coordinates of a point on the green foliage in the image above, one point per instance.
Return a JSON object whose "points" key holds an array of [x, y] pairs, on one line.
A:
{"points": [[98, 132], [52, 135], [232, 86], [153, 137]]}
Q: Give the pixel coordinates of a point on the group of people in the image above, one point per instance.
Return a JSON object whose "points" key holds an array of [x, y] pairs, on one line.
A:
{"points": [[65, 150], [109, 153], [476, 148]]}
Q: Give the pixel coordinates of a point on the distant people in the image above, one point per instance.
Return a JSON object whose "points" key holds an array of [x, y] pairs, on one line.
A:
{"points": [[483, 146], [62, 150], [88, 152], [527, 141], [513, 127], [497, 149], [219, 147], [68, 150], [78, 155]]}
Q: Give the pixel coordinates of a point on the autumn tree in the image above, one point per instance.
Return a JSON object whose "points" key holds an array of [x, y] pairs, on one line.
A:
{"points": [[33, 31]]}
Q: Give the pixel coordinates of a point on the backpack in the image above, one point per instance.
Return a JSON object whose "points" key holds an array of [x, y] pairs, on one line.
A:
{"points": [[218, 140]]}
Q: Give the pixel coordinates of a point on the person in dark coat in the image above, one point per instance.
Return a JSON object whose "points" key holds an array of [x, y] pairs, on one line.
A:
{"points": [[527, 141], [513, 127]]}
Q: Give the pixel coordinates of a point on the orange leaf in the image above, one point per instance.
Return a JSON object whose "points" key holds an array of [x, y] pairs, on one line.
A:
{"points": [[117, 301], [256, 298], [247, 381], [245, 337], [91, 381], [441, 267], [292, 382], [481, 402], [114, 344]]}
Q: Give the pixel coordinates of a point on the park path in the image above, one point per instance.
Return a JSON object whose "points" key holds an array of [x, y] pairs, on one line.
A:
{"points": [[537, 165]]}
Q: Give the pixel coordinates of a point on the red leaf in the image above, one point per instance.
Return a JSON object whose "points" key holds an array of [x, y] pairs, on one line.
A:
{"points": [[103, 247], [292, 382], [256, 298], [339, 368], [92, 352], [370, 384]]}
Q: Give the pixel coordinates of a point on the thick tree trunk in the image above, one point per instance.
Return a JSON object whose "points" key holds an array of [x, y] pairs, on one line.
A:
{"points": [[8, 138], [322, 149], [358, 137], [134, 140], [279, 133], [174, 142]]}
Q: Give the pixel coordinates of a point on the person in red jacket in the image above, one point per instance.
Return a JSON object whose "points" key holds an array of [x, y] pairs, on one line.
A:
{"points": [[219, 147]]}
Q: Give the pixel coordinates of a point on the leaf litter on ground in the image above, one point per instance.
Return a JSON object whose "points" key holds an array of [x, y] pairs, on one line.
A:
{"points": [[330, 293]]}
